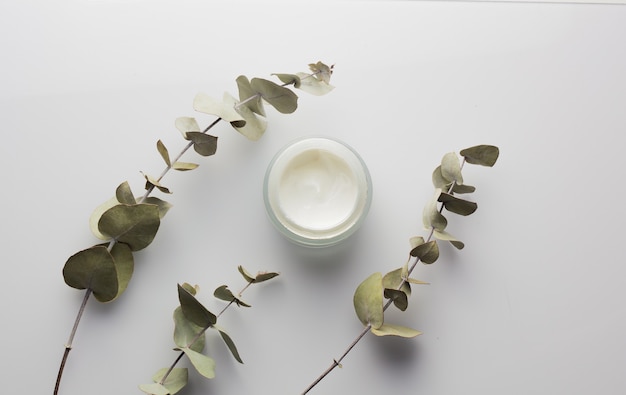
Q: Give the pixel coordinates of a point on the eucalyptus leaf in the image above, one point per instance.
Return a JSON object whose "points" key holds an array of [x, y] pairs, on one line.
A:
{"points": [[254, 126], [184, 166], [396, 280], [439, 181], [154, 389], [415, 241], [94, 269], [246, 274], [163, 206], [224, 109], [249, 96], [186, 332], [153, 182], [451, 168], [97, 213], [164, 153], [135, 225], [322, 72], [192, 289], [431, 217], [427, 253], [175, 381], [205, 365], [229, 343], [289, 79], [312, 85], [223, 293], [399, 298], [281, 98], [463, 188], [395, 330], [194, 310], [456, 205], [124, 265], [186, 124], [204, 144], [442, 235], [264, 276], [484, 155], [368, 301], [124, 195]]}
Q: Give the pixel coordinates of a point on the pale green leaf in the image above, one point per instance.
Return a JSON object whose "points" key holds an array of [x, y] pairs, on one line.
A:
{"points": [[313, 86], [456, 205], [442, 235], [204, 365], [163, 206], [187, 124], [154, 389], [281, 98], [224, 109], [289, 79], [93, 269], [254, 126], [395, 279], [192, 289], [164, 153], [416, 281], [439, 181], [484, 155], [229, 343], [451, 168], [431, 217], [223, 293], [194, 310], [175, 381], [399, 298], [184, 166], [415, 241], [97, 213], [395, 330], [427, 253], [135, 225], [124, 265], [249, 97], [124, 195], [322, 72], [368, 301], [186, 332], [264, 276], [246, 274], [204, 144]]}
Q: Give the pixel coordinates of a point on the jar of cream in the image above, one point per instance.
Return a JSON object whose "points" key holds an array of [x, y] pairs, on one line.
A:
{"points": [[317, 191]]}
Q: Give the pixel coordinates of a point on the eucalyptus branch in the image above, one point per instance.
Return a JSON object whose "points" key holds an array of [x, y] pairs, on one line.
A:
{"points": [[128, 224], [396, 285]]}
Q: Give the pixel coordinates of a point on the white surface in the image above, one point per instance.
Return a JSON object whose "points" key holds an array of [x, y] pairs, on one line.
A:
{"points": [[533, 304]]}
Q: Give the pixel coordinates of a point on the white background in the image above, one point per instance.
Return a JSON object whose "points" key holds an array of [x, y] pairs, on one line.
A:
{"points": [[533, 305]]}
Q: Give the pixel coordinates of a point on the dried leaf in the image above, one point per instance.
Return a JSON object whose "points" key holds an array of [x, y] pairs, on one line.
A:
{"points": [[246, 275], [204, 365], [254, 126], [194, 310], [451, 168], [281, 98], [175, 381], [154, 389], [223, 109], [184, 166], [249, 96], [223, 293], [427, 253], [124, 265], [229, 343], [313, 86], [442, 235], [186, 124], [484, 155], [135, 225], [164, 153], [97, 213], [163, 206], [153, 182], [368, 301], [431, 216], [124, 195], [399, 298], [395, 330], [395, 280], [93, 268], [322, 72], [456, 205], [289, 79], [186, 332]]}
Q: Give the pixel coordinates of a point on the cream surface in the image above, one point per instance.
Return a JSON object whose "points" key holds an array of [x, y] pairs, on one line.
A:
{"points": [[317, 190]]}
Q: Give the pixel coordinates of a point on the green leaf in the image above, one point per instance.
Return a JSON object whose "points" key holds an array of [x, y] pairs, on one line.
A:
{"points": [[484, 155], [431, 217], [185, 332], [264, 276], [184, 166], [224, 109], [368, 301], [246, 275], [135, 225], [427, 253], [163, 206], [289, 79], [93, 268], [229, 343], [451, 168], [97, 213], [124, 265], [395, 280], [154, 389], [456, 205], [313, 86], [254, 126], [163, 151], [400, 299], [204, 365], [395, 330], [186, 124], [223, 293], [281, 98], [415, 241], [175, 381], [124, 195], [442, 235], [153, 182], [192, 289], [249, 96], [204, 144], [439, 181], [463, 188], [194, 310]]}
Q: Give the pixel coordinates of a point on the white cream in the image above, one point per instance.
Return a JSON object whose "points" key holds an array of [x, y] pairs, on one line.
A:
{"points": [[317, 191]]}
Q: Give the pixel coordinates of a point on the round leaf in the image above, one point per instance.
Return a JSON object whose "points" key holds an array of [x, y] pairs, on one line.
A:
{"points": [[186, 124], [124, 195], [484, 155], [368, 301], [312, 85], [93, 268], [289, 79], [204, 144], [97, 214], [451, 168], [249, 96], [175, 381], [427, 253], [186, 332], [281, 98], [254, 126], [456, 205], [194, 310], [124, 265], [135, 225], [442, 235], [399, 298]]}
